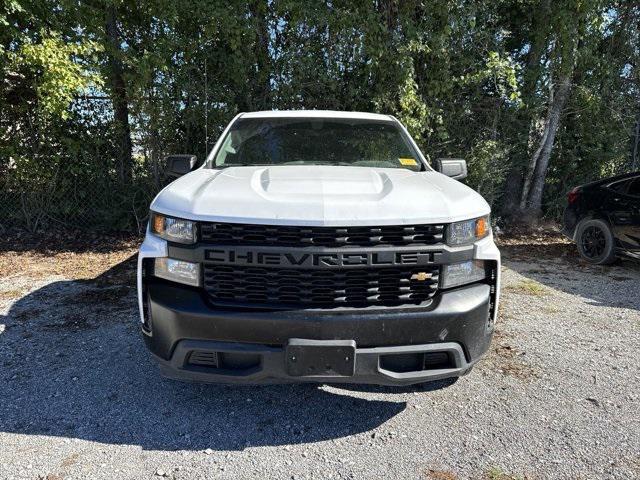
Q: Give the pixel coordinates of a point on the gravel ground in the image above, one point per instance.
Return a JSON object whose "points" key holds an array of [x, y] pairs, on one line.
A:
{"points": [[557, 397]]}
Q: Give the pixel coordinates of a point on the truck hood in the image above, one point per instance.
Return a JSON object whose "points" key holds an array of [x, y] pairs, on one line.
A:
{"points": [[319, 195]]}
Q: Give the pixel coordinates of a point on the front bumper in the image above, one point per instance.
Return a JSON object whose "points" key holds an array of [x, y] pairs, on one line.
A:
{"points": [[369, 368], [392, 344], [251, 344]]}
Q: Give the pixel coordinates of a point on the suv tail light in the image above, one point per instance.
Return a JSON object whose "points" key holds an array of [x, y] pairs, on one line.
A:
{"points": [[573, 195]]}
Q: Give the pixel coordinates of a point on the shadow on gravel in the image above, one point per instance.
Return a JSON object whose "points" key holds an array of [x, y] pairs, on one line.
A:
{"points": [[73, 365], [558, 266], [425, 387]]}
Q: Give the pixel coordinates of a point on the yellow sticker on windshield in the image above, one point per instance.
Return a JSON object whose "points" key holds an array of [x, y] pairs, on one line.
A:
{"points": [[408, 162]]}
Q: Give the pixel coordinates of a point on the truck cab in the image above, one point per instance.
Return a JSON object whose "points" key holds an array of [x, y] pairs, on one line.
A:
{"points": [[317, 246]]}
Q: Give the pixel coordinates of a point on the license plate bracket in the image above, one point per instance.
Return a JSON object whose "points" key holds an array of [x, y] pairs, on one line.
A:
{"points": [[320, 358]]}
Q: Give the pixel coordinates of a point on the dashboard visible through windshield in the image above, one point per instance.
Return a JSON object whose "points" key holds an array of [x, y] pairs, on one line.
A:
{"points": [[316, 141]]}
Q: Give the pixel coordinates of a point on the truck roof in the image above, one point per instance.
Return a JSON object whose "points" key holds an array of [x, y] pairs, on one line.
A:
{"points": [[316, 114]]}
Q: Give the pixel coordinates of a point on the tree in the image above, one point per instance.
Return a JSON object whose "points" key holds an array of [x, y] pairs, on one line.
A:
{"points": [[118, 91]]}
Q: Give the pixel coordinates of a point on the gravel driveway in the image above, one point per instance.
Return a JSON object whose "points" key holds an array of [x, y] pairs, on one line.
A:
{"points": [[557, 397]]}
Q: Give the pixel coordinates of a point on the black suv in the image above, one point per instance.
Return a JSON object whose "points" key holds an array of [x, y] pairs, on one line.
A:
{"points": [[603, 218]]}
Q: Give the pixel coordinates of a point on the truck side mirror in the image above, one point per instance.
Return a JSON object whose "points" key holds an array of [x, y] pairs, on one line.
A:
{"points": [[178, 165], [455, 168]]}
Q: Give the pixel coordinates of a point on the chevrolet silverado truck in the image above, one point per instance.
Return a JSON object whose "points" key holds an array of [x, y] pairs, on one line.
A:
{"points": [[317, 246]]}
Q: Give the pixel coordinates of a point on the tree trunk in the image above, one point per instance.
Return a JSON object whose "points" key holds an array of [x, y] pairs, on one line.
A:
{"points": [[389, 11], [532, 193], [118, 91], [531, 198], [515, 177], [533, 159]]}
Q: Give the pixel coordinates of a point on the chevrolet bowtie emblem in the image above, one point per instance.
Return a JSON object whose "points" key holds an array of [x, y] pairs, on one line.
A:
{"points": [[421, 276]]}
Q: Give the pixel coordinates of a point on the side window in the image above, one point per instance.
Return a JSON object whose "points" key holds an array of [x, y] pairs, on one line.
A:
{"points": [[619, 187], [634, 187]]}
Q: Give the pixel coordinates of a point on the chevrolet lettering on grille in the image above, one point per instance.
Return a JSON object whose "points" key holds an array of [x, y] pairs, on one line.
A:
{"points": [[235, 256]]}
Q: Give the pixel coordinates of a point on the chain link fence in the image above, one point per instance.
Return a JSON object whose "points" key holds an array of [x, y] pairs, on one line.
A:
{"points": [[65, 173], [98, 205]]}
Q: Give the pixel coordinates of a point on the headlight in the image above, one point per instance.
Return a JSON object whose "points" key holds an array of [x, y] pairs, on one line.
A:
{"points": [[173, 229], [461, 273], [468, 231], [177, 271]]}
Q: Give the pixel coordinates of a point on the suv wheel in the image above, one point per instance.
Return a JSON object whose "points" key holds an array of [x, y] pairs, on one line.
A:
{"points": [[595, 242]]}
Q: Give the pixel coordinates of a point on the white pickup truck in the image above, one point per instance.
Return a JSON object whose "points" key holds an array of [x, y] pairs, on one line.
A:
{"points": [[317, 246]]}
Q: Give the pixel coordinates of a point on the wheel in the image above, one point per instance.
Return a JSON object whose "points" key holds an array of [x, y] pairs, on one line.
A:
{"points": [[595, 242]]}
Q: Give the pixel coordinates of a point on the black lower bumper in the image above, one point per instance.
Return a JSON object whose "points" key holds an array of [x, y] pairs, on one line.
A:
{"points": [[193, 340]]}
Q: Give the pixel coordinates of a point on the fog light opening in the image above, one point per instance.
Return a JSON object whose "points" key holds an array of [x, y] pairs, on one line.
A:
{"points": [[462, 273], [179, 271]]}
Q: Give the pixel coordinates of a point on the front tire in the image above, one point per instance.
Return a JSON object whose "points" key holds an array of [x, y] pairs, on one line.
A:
{"points": [[595, 242]]}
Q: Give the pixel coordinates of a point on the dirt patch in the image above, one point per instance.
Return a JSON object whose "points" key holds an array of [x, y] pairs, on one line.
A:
{"points": [[70, 265], [538, 243], [507, 359], [11, 294], [74, 256], [70, 241], [433, 474], [510, 363]]}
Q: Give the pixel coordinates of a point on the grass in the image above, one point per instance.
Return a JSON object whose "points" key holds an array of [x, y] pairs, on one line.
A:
{"points": [[528, 287], [551, 309], [492, 473], [496, 473]]}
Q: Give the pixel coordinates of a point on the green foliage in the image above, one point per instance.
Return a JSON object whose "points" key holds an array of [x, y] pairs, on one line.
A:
{"points": [[412, 110], [500, 74], [488, 163], [59, 72]]}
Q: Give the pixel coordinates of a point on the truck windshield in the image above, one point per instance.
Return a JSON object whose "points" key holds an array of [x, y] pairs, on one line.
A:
{"points": [[316, 141]]}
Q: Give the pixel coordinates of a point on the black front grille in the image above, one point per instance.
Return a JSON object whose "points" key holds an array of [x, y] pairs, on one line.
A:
{"points": [[280, 235], [315, 288]]}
